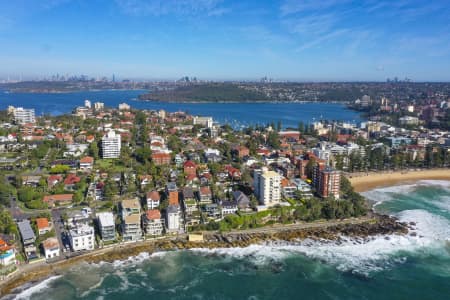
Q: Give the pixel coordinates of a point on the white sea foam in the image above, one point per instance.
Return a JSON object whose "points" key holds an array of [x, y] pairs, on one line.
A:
{"points": [[362, 256], [26, 294], [381, 195], [443, 203]]}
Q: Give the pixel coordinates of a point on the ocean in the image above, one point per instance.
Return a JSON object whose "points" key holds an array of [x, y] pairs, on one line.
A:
{"points": [[235, 114], [415, 266]]}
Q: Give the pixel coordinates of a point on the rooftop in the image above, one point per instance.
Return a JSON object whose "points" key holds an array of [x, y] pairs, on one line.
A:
{"points": [[153, 214], [50, 243], [42, 223], [131, 204], [132, 219], [106, 218]]}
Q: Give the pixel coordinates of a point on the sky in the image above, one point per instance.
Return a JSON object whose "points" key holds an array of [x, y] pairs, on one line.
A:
{"points": [[309, 40]]}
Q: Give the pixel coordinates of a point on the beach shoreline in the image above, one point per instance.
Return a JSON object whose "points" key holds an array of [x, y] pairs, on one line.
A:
{"points": [[363, 182]]}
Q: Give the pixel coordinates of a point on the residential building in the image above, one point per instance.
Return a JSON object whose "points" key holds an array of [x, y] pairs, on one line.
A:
{"points": [[107, 226], [53, 180], [328, 183], [173, 198], [229, 207], [130, 207], [204, 121], [99, 106], [86, 163], [7, 254], [190, 168], [124, 106], [111, 145], [61, 199], [408, 120], [70, 182], [161, 158], [189, 202], [51, 248], [23, 115], [131, 227], [205, 195], [153, 223], [43, 225], [268, 186], [153, 199], [173, 216], [27, 233], [81, 237], [242, 201]]}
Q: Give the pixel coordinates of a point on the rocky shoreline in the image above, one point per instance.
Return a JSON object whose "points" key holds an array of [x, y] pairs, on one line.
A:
{"points": [[377, 225]]}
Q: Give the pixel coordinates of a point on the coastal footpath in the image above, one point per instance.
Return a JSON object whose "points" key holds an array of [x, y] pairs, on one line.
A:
{"points": [[357, 228], [362, 182]]}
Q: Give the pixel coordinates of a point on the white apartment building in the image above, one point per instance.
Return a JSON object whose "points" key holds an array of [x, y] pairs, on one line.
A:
{"points": [[131, 227], [111, 144], [82, 237], [204, 121], [99, 105], [107, 226], [267, 187], [173, 218], [23, 115], [51, 248], [124, 106]]}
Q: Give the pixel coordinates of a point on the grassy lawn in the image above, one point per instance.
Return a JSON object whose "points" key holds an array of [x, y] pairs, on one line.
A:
{"points": [[113, 165]]}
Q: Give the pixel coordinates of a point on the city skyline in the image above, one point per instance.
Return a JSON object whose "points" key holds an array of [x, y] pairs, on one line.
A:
{"points": [[227, 40]]}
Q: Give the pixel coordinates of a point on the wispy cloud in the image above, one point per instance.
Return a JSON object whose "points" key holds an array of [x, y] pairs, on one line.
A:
{"points": [[165, 7], [262, 34], [322, 39], [296, 6]]}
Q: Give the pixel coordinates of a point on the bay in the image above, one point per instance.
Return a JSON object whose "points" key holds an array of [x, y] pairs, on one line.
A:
{"points": [[235, 114]]}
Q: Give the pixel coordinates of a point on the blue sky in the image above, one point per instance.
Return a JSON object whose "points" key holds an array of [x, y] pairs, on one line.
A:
{"points": [[315, 40]]}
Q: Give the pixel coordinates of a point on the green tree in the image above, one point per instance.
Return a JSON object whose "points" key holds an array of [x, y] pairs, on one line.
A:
{"points": [[93, 150]]}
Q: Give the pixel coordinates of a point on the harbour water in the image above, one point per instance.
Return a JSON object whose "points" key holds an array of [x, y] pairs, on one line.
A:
{"points": [[416, 266], [235, 114]]}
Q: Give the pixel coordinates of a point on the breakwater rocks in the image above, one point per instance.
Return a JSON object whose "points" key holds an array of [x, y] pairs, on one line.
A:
{"points": [[333, 231], [359, 229]]}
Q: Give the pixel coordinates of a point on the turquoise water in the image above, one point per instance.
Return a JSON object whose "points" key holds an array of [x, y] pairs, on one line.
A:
{"points": [[235, 114], [416, 266]]}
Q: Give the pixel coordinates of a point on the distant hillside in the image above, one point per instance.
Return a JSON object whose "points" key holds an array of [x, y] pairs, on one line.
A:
{"points": [[214, 92]]}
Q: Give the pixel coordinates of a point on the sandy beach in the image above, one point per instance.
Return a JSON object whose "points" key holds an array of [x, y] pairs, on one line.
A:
{"points": [[364, 182]]}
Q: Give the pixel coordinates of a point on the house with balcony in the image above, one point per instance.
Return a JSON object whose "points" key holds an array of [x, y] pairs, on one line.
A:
{"points": [[153, 223]]}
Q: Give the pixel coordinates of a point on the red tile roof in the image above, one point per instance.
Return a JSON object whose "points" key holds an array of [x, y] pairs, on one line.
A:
{"points": [[205, 190], [154, 195], [173, 198], [58, 198], [71, 179], [87, 160], [153, 214], [42, 223]]}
